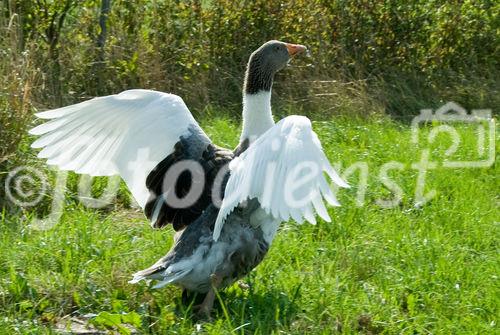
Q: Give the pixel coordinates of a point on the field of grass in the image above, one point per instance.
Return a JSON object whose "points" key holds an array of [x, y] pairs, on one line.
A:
{"points": [[408, 269], [393, 261]]}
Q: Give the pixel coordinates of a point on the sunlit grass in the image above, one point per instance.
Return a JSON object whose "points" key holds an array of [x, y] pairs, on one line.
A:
{"points": [[407, 269]]}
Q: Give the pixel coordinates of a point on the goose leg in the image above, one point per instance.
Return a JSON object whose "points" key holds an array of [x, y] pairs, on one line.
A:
{"points": [[208, 303]]}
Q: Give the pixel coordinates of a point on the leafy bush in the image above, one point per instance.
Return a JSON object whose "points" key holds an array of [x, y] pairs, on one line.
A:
{"points": [[17, 74], [366, 56], [199, 48]]}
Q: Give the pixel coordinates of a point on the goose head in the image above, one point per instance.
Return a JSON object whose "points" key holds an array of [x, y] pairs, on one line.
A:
{"points": [[264, 62]]}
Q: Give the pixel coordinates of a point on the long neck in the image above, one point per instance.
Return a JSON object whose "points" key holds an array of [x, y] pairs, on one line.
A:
{"points": [[257, 115]]}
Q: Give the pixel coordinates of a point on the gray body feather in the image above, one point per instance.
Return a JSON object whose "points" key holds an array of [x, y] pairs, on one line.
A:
{"points": [[195, 256]]}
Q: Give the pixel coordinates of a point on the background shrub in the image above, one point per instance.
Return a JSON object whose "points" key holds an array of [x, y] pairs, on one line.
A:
{"points": [[366, 57]]}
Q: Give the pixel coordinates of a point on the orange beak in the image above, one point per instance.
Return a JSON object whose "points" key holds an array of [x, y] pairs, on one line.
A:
{"points": [[294, 49]]}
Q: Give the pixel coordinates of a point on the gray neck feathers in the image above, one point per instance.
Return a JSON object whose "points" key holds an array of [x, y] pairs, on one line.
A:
{"points": [[258, 76]]}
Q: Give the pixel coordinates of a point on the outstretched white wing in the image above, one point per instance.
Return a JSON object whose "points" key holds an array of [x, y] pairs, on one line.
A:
{"points": [[126, 134], [283, 169]]}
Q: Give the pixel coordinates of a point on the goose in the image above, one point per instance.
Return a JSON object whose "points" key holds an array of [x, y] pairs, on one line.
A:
{"points": [[225, 205]]}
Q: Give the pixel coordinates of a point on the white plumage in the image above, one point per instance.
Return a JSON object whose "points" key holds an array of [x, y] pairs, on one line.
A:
{"points": [[126, 134], [283, 169]]}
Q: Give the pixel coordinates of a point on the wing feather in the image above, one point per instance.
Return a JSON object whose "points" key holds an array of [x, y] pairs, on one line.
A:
{"points": [[126, 134], [285, 170]]}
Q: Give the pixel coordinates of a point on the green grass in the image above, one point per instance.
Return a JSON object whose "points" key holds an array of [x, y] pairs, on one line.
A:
{"points": [[411, 270]]}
